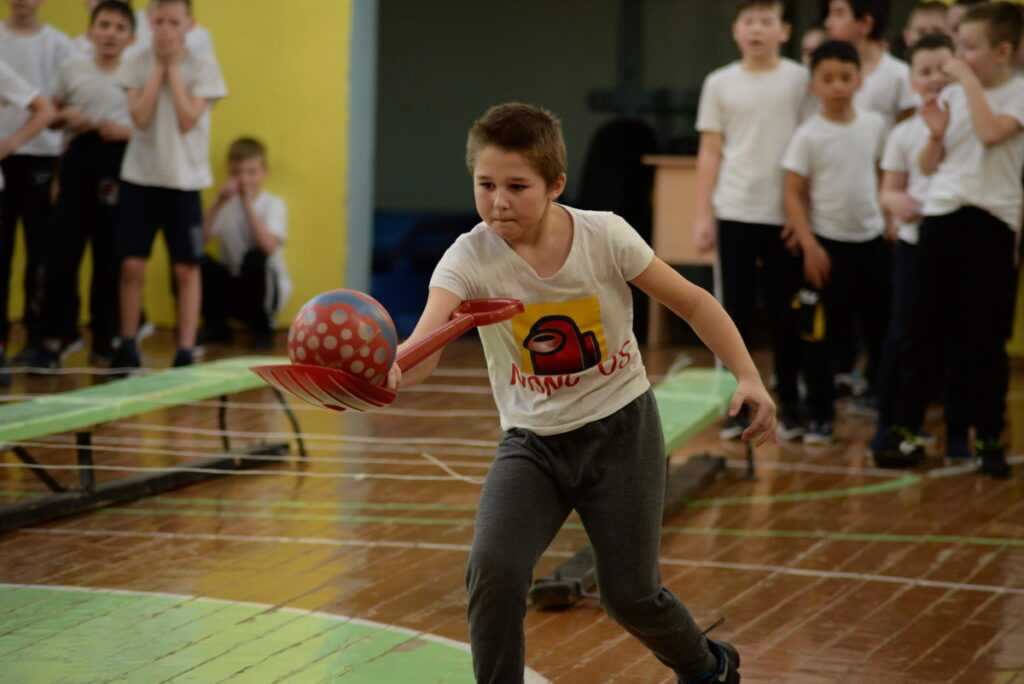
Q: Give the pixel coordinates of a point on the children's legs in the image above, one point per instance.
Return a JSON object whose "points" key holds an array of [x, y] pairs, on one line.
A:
{"points": [[521, 509], [7, 236], [186, 276], [217, 289], [737, 257], [903, 265], [37, 175], [783, 274], [872, 295], [987, 280], [620, 465], [938, 261], [133, 277], [259, 300]]}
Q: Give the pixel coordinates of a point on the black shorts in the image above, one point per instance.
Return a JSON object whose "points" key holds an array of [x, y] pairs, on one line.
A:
{"points": [[145, 209]]}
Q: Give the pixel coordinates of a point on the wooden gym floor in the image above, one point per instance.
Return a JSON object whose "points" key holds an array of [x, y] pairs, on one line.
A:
{"points": [[351, 568]]}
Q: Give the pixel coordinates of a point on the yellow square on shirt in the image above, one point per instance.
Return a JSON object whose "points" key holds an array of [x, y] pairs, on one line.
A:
{"points": [[560, 338]]}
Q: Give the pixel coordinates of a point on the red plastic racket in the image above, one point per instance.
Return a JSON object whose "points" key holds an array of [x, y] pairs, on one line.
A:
{"points": [[339, 391]]}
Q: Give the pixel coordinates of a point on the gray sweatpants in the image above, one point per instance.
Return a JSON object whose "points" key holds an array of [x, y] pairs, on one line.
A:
{"points": [[612, 472]]}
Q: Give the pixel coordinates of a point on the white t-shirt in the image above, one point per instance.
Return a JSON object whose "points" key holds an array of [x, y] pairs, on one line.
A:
{"points": [[886, 90], [901, 153], [15, 93], [161, 155], [96, 93], [236, 239], [198, 40], [973, 175], [839, 161], [571, 358], [756, 113], [35, 58]]}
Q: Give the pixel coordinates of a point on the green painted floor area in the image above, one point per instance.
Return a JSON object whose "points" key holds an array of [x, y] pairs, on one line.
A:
{"points": [[72, 636]]}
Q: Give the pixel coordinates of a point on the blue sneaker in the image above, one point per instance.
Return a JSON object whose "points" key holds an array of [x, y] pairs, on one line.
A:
{"points": [[818, 433]]}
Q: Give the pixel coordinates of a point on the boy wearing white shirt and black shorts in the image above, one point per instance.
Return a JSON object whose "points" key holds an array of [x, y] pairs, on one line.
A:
{"points": [[94, 115], [34, 51], [965, 263], [748, 112], [15, 92], [170, 92], [832, 159]]}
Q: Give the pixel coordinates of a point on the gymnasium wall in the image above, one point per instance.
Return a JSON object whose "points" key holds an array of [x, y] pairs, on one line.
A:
{"points": [[442, 63], [287, 74]]}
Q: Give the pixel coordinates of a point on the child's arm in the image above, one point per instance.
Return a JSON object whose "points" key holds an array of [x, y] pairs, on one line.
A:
{"points": [[441, 304], [41, 113], [189, 109], [712, 324], [111, 131], [709, 161], [816, 262], [936, 117], [265, 240], [142, 101], [894, 197], [229, 190], [991, 128]]}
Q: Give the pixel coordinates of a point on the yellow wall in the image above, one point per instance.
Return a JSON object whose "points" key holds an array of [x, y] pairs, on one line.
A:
{"points": [[287, 76]]}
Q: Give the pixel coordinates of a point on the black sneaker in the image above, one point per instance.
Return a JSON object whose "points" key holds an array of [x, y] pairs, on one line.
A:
{"points": [[900, 448], [818, 433], [790, 427], [993, 459], [23, 359], [44, 359], [957, 449], [183, 357], [727, 671], [735, 425], [214, 334], [126, 357]]}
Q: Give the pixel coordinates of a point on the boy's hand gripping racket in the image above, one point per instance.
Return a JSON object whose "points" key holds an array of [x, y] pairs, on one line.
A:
{"points": [[339, 391]]}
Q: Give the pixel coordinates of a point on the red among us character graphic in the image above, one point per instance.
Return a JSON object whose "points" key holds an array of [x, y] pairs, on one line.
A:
{"points": [[557, 347]]}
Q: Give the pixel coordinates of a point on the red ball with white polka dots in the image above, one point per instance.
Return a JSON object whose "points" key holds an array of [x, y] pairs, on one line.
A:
{"points": [[347, 330]]}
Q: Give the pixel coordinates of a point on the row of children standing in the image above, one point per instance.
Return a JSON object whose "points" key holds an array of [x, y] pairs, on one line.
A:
{"points": [[130, 127], [787, 177]]}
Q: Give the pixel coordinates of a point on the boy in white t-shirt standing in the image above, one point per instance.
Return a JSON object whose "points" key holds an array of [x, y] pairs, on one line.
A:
{"points": [[34, 51], [748, 112], [904, 193], [965, 263], [886, 80], [94, 116], [250, 281], [832, 161], [170, 93], [15, 92]]}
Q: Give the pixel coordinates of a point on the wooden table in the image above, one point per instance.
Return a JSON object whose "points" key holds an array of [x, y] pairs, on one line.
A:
{"points": [[675, 180]]}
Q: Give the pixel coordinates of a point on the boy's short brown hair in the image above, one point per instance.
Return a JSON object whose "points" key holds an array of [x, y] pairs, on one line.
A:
{"points": [[531, 131], [1002, 20], [186, 3], [743, 5], [247, 148], [931, 41]]}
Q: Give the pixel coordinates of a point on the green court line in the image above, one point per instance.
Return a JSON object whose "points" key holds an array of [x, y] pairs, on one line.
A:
{"points": [[75, 635], [668, 530]]}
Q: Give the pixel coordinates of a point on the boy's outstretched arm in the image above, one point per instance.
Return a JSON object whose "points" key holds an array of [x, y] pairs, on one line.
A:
{"points": [[712, 324], [709, 162], [441, 304]]}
